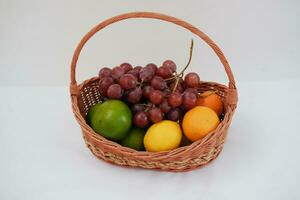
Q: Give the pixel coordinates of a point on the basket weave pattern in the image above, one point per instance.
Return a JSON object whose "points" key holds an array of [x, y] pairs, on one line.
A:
{"points": [[189, 157]]}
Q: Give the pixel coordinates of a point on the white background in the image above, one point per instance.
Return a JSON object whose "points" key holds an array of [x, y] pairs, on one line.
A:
{"points": [[260, 38], [42, 154]]}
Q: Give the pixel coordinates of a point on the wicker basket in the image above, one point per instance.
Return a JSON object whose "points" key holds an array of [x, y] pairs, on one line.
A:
{"points": [[185, 158]]}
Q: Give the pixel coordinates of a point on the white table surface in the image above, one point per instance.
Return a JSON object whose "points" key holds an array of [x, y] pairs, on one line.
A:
{"points": [[43, 156]]}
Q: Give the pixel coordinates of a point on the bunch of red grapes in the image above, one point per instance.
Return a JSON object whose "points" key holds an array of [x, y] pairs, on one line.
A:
{"points": [[153, 93]]}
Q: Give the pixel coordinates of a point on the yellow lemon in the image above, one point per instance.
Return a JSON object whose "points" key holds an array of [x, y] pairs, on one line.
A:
{"points": [[162, 136]]}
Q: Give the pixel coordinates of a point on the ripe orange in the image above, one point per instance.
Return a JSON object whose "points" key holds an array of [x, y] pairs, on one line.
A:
{"points": [[212, 100], [198, 122]]}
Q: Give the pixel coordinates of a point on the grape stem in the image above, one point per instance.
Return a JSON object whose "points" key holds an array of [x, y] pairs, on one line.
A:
{"points": [[148, 107], [190, 59], [140, 84], [176, 83], [171, 78], [178, 76], [144, 104]]}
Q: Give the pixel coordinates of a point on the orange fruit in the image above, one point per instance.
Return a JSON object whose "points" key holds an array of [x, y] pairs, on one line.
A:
{"points": [[212, 100], [198, 122]]}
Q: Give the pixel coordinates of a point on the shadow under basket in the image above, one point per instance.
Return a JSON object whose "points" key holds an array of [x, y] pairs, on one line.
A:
{"points": [[184, 158]]}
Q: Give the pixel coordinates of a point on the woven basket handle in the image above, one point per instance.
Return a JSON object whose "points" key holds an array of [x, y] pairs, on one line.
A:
{"points": [[203, 36]]}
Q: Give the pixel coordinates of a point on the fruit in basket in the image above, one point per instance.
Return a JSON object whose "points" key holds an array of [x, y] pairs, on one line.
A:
{"points": [[128, 81], [175, 99], [146, 74], [140, 119], [198, 122], [158, 83], [175, 114], [192, 90], [164, 106], [163, 136], [117, 72], [152, 66], [135, 71], [114, 91], [170, 64], [112, 119], [104, 72], [91, 112], [192, 80], [155, 115], [147, 91], [135, 108], [156, 97], [126, 67], [212, 100], [104, 84], [135, 95], [153, 94], [189, 100], [164, 72], [134, 139]]}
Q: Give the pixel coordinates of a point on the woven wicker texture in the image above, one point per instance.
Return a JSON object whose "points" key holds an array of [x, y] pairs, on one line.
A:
{"points": [[189, 157]]}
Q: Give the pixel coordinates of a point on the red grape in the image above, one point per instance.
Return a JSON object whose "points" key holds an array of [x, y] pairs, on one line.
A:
{"points": [[128, 81], [104, 83], [138, 68], [137, 108], [152, 66], [135, 71], [192, 80], [146, 74], [135, 95], [114, 91], [164, 106], [117, 72], [170, 64], [156, 97], [140, 119], [147, 90], [104, 72], [175, 99], [174, 114], [167, 92], [158, 83], [164, 72], [155, 115], [126, 67], [192, 90], [189, 100]]}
